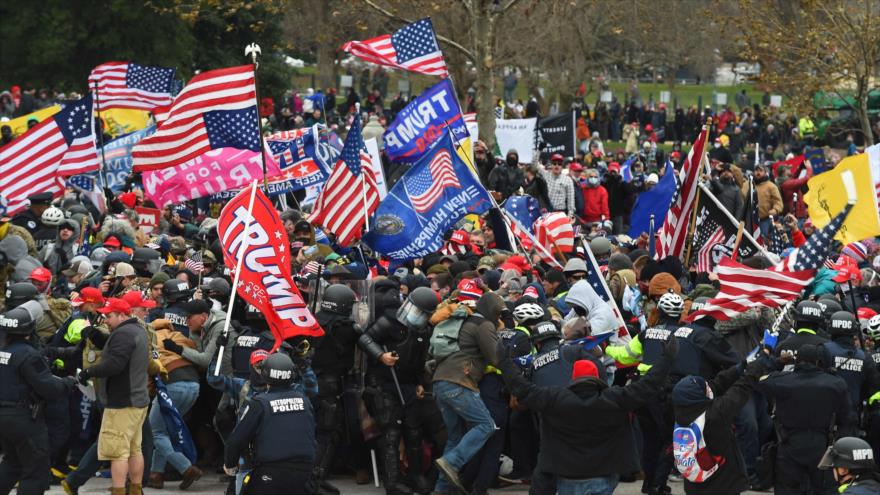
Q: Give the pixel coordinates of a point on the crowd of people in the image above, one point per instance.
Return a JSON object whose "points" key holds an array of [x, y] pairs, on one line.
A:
{"points": [[471, 368]]}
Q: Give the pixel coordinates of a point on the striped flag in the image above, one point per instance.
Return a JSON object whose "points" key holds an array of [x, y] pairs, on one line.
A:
{"points": [[195, 263], [704, 255], [675, 226], [413, 47], [553, 231], [58, 147], [130, 85], [340, 205], [812, 255], [426, 187], [217, 109]]}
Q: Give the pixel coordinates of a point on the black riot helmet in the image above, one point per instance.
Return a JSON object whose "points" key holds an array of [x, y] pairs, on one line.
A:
{"points": [[278, 370], [338, 299], [808, 313], [850, 453], [546, 330], [176, 290], [20, 293], [146, 261], [418, 307], [17, 321], [843, 323], [829, 307]]}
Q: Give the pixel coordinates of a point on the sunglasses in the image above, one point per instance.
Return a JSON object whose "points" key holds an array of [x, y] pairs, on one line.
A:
{"points": [[578, 277]]}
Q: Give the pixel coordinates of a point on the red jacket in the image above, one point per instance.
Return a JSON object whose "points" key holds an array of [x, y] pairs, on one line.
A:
{"points": [[791, 187], [595, 204]]}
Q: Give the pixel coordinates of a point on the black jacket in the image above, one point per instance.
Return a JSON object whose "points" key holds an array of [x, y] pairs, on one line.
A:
{"points": [[505, 179], [586, 431]]}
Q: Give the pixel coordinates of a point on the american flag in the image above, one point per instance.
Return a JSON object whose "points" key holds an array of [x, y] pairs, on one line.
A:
{"points": [[675, 225], [554, 229], [130, 85], [340, 205], [813, 253], [426, 186], [57, 147], [413, 47], [704, 255], [217, 109], [195, 263], [715, 233], [523, 211]]}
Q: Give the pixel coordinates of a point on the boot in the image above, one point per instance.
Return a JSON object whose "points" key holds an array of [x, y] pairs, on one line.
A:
{"points": [[388, 446], [156, 480], [418, 481], [118, 491], [134, 489], [190, 476]]}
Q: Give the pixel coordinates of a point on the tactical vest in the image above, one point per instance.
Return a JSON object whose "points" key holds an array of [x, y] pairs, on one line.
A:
{"points": [[849, 364], [287, 429], [551, 368], [13, 391], [174, 313], [688, 359], [875, 356], [245, 344], [653, 339]]}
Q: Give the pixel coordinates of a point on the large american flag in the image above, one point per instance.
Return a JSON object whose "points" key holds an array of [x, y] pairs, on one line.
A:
{"points": [[130, 85], [675, 225], [340, 205], [426, 186], [217, 109], [413, 47], [58, 147], [553, 231]]}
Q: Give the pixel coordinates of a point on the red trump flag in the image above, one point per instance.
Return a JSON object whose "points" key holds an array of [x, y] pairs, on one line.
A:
{"points": [[265, 280]]}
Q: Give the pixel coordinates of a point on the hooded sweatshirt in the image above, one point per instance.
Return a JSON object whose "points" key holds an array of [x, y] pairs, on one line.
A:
{"points": [[476, 340], [58, 254], [16, 252], [599, 313]]}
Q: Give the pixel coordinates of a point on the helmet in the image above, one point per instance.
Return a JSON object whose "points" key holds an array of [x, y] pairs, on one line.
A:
{"points": [[528, 313], [425, 299], [175, 290], [278, 369], [600, 246], [843, 323], [699, 303], [417, 308], [671, 304], [17, 321], [829, 307], [52, 216], [546, 330], [338, 299], [20, 293], [146, 261], [850, 453], [808, 312], [574, 265], [873, 327]]}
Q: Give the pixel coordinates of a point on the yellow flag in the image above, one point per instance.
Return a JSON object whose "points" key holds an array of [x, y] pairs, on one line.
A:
{"points": [[119, 121], [828, 195], [19, 124]]}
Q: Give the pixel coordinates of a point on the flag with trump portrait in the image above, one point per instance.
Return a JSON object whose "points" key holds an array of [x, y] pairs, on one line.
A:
{"points": [[258, 238], [437, 191]]}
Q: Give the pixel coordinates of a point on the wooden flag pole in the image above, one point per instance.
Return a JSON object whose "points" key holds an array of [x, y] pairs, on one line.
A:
{"points": [[739, 236], [100, 134], [254, 51]]}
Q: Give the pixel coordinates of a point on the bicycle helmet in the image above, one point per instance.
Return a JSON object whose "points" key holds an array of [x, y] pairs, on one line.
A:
{"points": [[671, 304], [528, 313], [52, 216]]}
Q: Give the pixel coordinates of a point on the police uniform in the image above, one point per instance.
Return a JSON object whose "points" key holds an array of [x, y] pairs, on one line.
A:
{"points": [[702, 352], [174, 313], [279, 427], [245, 343], [850, 364]]}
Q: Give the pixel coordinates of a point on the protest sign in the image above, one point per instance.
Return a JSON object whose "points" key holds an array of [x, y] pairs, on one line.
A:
{"points": [[516, 134], [556, 134], [148, 219]]}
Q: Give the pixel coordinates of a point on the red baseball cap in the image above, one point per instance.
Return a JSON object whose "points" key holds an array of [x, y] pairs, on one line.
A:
{"points": [[115, 305], [577, 167], [136, 300], [129, 199], [258, 356], [89, 295], [614, 166], [459, 237], [556, 157], [112, 242], [41, 274]]}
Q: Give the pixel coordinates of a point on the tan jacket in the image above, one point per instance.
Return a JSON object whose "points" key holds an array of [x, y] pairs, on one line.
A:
{"points": [[769, 198], [165, 330]]}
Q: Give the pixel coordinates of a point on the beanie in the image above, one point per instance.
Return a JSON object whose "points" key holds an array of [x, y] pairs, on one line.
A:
{"points": [[661, 283], [159, 278], [468, 290], [690, 391], [619, 261], [584, 368], [492, 278], [856, 251]]}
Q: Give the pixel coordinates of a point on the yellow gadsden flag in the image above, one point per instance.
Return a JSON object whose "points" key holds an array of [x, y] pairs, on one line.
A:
{"points": [[19, 124], [829, 193]]}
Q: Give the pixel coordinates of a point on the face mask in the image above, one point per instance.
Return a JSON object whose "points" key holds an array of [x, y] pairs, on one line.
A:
{"points": [[512, 161], [717, 145], [593, 181]]}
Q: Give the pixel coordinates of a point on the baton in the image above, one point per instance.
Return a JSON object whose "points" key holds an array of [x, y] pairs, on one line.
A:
{"points": [[396, 383]]}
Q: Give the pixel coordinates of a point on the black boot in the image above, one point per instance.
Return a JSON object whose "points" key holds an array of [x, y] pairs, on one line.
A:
{"points": [[323, 459], [417, 479], [388, 448]]}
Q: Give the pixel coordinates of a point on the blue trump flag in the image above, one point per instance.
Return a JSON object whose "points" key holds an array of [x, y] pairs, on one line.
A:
{"points": [[421, 123], [654, 202], [435, 192]]}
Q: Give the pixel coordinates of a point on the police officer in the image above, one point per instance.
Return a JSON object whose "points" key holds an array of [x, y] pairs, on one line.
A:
{"points": [[175, 293], [852, 463], [146, 263], [808, 318], [31, 219], [332, 362], [25, 385], [829, 306], [701, 351], [20, 293], [810, 403], [266, 424], [397, 344], [254, 335], [849, 362]]}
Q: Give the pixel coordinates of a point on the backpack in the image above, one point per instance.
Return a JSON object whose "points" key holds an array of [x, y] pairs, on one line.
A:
{"points": [[444, 339], [692, 459]]}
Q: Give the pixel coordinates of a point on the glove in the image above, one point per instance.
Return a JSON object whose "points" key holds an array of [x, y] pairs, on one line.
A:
{"points": [[69, 382], [507, 319], [670, 348], [222, 339], [83, 377], [87, 333], [172, 346]]}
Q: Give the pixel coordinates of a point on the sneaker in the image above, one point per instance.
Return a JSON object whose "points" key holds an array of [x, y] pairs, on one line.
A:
{"points": [[450, 473], [68, 489], [674, 478]]}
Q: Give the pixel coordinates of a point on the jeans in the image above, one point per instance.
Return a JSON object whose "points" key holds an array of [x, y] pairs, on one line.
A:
{"points": [[482, 470], [591, 486], [461, 407], [183, 395]]}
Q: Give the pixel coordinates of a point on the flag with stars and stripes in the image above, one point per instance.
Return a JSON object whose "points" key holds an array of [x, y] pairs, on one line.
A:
{"points": [[426, 184], [554, 232], [676, 224], [130, 85], [715, 234], [350, 194], [812, 254], [217, 109], [413, 47], [38, 160], [523, 211], [195, 263]]}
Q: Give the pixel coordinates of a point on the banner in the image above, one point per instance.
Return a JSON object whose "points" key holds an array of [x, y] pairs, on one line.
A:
{"points": [[378, 170], [175, 426], [516, 134], [435, 193], [265, 280], [715, 234], [117, 157], [556, 134], [215, 171], [120, 121], [421, 123], [305, 156], [148, 219], [19, 125]]}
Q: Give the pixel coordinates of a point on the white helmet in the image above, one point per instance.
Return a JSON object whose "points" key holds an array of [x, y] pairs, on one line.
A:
{"points": [[528, 312], [671, 304], [873, 329], [52, 216]]}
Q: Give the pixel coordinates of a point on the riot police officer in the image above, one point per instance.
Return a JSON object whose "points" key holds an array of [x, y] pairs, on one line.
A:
{"points": [[146, 263], [829, 306], [808, 318], [810, 403], [849, 362], [175, 293], [32, 219], [397, 344], [332, 362], [266, 424], [25, 385], [20, 293], [254, 335], [852, 463]]}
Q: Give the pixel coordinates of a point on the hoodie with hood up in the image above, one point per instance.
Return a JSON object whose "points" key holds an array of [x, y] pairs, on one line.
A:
{"points": [[58, 254], [476, 340], [599, 313]]}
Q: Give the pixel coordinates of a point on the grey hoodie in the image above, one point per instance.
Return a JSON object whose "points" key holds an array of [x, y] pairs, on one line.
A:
{"points": [[599, 313], [17, 255], [58, 254]]}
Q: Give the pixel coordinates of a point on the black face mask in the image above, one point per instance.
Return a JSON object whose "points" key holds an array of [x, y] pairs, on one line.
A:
{"points": [[579, 310], [512, 161]]}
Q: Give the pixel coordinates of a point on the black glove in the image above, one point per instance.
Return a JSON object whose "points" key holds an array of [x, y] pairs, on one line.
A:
{"points": [[222, 339], [69, 382], [83, 377], [172, 346], [87, 332], [670, 348], [507, 319]]}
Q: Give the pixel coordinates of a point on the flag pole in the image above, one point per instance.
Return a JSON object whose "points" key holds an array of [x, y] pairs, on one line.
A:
{"points": [[254, 51], [100, 134], [241, 250], [357, 115], [739, 236]]}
